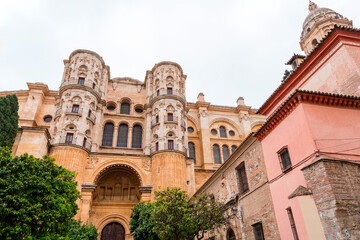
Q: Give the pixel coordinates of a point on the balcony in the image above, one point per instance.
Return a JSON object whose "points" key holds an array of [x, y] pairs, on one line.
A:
{"points": [[169, 147], [168, 119], [164, 92], [91, 117], [74, 142], [87, 84], [155, 122], [74, 111]]}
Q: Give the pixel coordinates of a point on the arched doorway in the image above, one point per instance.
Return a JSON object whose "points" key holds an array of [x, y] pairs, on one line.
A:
{"points": [[113, 231], [231, 235]]}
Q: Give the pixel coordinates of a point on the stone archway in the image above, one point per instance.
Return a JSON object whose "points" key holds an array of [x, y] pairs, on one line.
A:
{"points": [[113, 231]]}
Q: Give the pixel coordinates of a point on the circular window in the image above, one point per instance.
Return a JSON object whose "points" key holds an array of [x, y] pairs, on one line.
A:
{"points": [[190, 129], [231, 133], [213, 131], [111, 106], [47, 118], [138, 110]]}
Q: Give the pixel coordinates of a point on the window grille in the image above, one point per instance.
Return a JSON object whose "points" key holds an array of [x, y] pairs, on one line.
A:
{"points": [[108, 134], [216, 152], [170, 117], [169, 91], [170, 144], [137, 136], [222, 132], [125, 108], [225, 150], [75, 108], [81, 81], [122, 135], [243, 182]]}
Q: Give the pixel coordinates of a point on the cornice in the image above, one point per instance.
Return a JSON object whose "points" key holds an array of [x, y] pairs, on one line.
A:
{"points": [[325, 46], [310, 97]]}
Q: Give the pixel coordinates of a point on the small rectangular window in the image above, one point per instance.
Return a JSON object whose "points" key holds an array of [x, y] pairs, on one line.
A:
{"points": [[84, 142], [284, 158], [157, 119], [170, 144], [69, 138], [157, 92], [243, 182], [81, 81], [258, 231], [89, 114], [75, 108], [292, 223], [170, 117], [157, 146], [94, 85], [169, 91]]}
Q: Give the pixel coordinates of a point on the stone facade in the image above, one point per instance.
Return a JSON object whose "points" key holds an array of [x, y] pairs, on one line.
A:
{"points": [[245, 208], [126, 138], [335, 186]]}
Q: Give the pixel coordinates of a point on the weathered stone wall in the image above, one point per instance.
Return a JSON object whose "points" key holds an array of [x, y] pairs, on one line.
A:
{"points": [[336, 191]]}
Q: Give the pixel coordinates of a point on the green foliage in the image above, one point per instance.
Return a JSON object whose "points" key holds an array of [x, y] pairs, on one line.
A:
{"points": [[8, 120], [37, 198], [286, 74], [141, 225], [79, 231], [174, 215]]}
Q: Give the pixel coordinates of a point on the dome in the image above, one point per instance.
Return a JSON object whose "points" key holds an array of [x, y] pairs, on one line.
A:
{"points": [[317, 15]]}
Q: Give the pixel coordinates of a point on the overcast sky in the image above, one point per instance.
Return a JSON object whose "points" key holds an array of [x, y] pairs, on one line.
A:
{"points": [[226, 48]]}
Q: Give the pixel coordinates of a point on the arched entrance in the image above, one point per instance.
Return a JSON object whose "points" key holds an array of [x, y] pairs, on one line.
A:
{"points": [[113, 231], [231, 235]]}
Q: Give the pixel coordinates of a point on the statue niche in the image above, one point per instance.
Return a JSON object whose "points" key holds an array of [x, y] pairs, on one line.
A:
{"points": [[118, 185]]}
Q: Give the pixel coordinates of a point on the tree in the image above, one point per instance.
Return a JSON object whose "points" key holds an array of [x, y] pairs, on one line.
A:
{"points": [[141, 225], [37, 198], [80, 231], [8, 120], [177, 216]]}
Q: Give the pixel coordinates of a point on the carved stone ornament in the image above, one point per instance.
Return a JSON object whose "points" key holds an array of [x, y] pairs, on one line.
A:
{"points": [[244, 117], [203, 113], [146, 164]]}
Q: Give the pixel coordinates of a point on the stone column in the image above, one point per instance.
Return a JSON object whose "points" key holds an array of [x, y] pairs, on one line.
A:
{"points": [[205, 131], [86, 199], [115, 136]]}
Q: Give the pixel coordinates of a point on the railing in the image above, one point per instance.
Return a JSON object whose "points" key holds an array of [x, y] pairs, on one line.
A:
{"points": [[92, 117], [170, 120], [87, 83], [169, 147], [58, 112], [73, 111], [163, 92], [74, 141], [154, 122]]}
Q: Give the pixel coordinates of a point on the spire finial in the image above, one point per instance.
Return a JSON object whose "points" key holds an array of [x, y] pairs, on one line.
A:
{"points": [[312, 6]]}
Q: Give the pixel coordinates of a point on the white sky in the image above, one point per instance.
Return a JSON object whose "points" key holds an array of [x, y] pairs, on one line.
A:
{"points": [[227, 48]]}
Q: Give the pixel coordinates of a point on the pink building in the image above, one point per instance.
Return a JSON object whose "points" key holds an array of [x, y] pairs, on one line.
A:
{"points": [[311, 140]]}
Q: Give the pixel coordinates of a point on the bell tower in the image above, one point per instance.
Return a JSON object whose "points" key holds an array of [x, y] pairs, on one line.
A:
{"points": [[78, 110], [318, 24], [167, 137]]}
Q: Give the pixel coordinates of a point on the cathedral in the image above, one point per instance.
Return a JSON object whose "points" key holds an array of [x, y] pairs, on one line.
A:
{"points": [[127, 138]]}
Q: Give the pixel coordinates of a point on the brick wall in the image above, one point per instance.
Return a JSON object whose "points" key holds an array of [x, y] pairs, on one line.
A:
{"points": [[336, 191]]}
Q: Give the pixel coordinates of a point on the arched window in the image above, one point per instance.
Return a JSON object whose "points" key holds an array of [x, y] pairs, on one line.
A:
{"points": [[222, 132], [216, 151], [125, 108], [108, 134], [136, 137], [233, 148], [122, 135], [231, 235], [191, 150], [225, 150]]}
